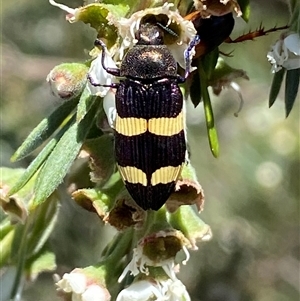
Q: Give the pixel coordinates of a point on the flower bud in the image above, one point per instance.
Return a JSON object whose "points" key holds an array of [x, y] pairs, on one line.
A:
{"points": [[67, 80]]}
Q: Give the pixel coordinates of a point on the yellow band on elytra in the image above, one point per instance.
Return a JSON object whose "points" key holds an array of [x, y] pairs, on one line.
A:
{"points": [[165, 175], [166, 126], [133, 175], [163, 126], [130, 126]]}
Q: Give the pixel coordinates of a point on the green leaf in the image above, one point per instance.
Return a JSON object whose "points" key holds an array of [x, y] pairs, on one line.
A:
{"points": [[209, 62], [62, 157], [295, 18], [96, 14], [85, 103], [38, 161], [245, 8], [30, 238], [43, 262], [5, 247], [9, 176], [195, 89], [44, 130], [94, 200], [120, 9], [291, 89], [189, 223], [16, 206], [209, 115], [276, 85], [5, 227], [43, 220], [100, 200]]}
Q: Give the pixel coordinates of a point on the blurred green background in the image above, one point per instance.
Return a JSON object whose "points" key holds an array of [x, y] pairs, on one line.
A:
{"points": [[252, 189]]}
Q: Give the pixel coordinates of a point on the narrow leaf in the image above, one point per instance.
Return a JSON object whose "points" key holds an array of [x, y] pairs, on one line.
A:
{"points": [[85, 103], [209, 115], [209, 62], [43, 221], [62, 157], [195, 89], [5, 247], [38, 161], [245, 8], [276, 85], [44, 130], [5, 227], [291, 89]]}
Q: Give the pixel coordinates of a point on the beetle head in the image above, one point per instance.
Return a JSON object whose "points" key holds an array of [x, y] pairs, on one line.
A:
{"points": [[149, 34]]}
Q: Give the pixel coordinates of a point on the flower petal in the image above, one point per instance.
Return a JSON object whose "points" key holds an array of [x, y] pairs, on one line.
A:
{"points": [[140, 291], [99, 75], [73, 282], [95, 293], [63, 7], [292, 42]]}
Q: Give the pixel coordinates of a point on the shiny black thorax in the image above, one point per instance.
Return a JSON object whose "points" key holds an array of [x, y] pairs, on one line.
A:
{"points": [[152, 62], [149, 58]]}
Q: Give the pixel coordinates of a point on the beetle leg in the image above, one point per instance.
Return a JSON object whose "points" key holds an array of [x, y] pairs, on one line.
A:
{"points": [[112, 71], [92, 81], [188, 60]]}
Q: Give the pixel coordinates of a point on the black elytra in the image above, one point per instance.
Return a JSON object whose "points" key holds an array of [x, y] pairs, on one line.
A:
{"points": [[150, 144]]}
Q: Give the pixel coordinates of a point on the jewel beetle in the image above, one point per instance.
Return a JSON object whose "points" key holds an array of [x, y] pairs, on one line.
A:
{"points": [[150, 143]]}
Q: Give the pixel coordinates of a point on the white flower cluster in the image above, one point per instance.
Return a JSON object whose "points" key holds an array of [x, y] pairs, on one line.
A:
{"points": [[143, 290], [285, 53], [159, 288], [80, 289], [128, 27]]}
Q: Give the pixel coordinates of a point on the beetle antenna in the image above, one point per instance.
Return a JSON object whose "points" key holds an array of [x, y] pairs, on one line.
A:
{"points": [[168, 30]]}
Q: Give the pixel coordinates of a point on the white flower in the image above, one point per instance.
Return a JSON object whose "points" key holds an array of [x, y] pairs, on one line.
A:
{"points": [[140, 262], [285, 53], [94, 293], [99, 76], [174, 290], [81, 288], [109, 105], [128, 27], [72, 13], [73, 282], [153, 289], [140, 290]]}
